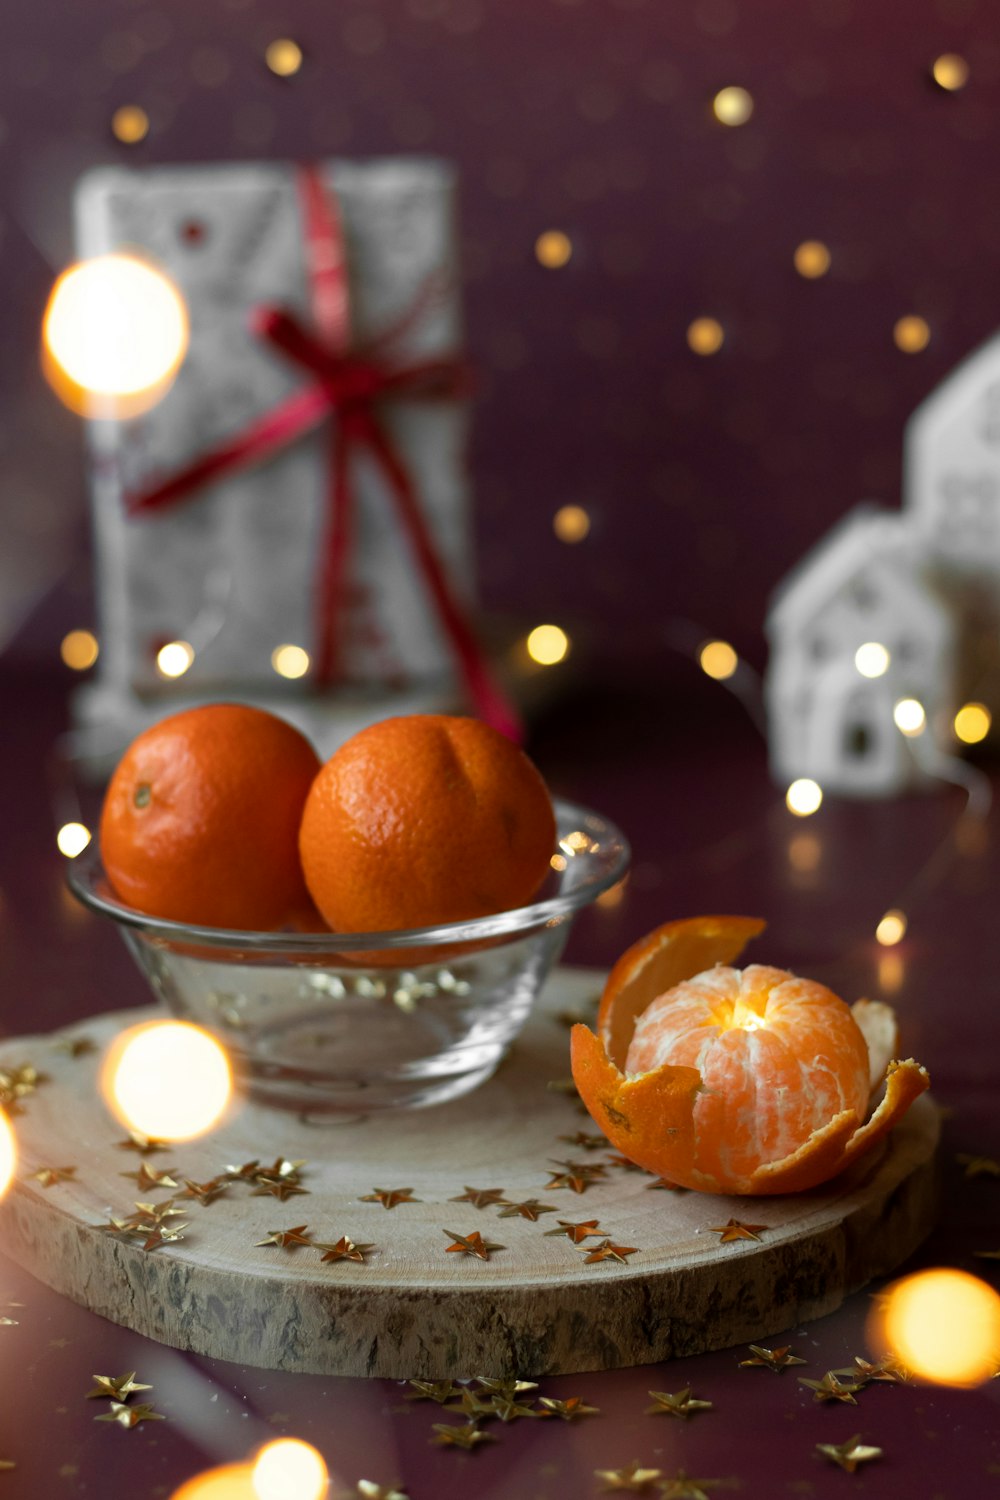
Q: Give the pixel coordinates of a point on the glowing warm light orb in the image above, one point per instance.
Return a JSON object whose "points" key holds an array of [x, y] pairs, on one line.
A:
{"points": [[872, 659], [553, 249], [231, 1482], [911, 334], [79, 649], [732, 105], [909, 716], [8, 1153], [173, 659], [972, 723], [892, 928], [547, 644], [812, 259], [72, 839], [950, 71], [115, 331], [571, 523], [942, 1325], [289, 1469], [283, 57], [130, 124], [167, 1079], [804, 797], [290, 661], [705, 336], [718, 659]]}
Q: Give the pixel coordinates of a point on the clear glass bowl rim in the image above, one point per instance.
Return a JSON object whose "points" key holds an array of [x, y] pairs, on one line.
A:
{"points": [[86, 872]]}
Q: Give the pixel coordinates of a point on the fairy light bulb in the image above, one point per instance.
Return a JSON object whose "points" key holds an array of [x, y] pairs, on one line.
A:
{"points": [[553, 249], [718, 660], [283, 56], [872, 659], [174, 659], [290, 661], [972, 723], [167, 1079], [548, 644], [705, 336], [812, 259], [8, 1153], [909, 717], [804, 797], [732, 105], [289, 1469], [950, 72], [571, 523], [114, 335], [79, 649], [942, 1325], [72, 839], [892, 928], [911, 334], [230, 1482]]}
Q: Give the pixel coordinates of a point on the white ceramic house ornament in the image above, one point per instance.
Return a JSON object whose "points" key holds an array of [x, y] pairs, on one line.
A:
{"points": [[831, 694]]}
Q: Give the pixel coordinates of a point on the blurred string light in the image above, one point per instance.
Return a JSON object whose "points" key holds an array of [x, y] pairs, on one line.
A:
{"points": [[72, 839], [972, 723], [909, 717], [950, 72], [130, 124], [231, 1482], [289, 1469], [732, 105], [571, 523], [174, 659], [911, 333], [718, 660], [705, 336], [114, 335], [547, 645], [872, 659], [804, 797], [283, 57], [942, 1325], [79, 649], [892, 928], [553, 249], [167, 1079], [290, 661], [812, 259], [8, 1153]]}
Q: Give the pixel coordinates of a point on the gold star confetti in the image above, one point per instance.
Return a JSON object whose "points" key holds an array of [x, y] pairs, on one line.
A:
{"points": [[506, 1389], [470, 1244], [246, 1173], [146, 1145], [733, 1229], [607, 1251], [473, 1406], [975, 1166], [466, 1435], [158, 1236], [632, 1477], [683, 1404], [433, 1390], [850, 1454], [663, 1184], [510, 1410], [147, 1178], [389, 1197], [9, 1323], [589, 1229], [569, 1410], [587, 1141], [683, 1487], [369, 1490], [886, 1371], [577, 1176], [345, 1249], [20, 1081], [75, 1046], [117, 1387], [49, 1176], [205, 1192], [154, 1213], [832, 1388], [287, 1239], [130, 1416], [274, 1187], [772, 1359], [480, 1197], [529, 1209], [281, 1171]]}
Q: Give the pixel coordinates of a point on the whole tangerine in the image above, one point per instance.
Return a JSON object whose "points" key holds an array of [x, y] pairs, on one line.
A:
{"points": [[201, 818], [425, 819]]}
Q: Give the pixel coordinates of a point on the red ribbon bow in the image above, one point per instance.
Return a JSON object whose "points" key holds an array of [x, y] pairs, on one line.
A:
{"points": [[348, 384]]}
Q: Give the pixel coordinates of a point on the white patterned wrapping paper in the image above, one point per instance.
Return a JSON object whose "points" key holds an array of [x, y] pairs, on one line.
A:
{"points": [[233, 568]]}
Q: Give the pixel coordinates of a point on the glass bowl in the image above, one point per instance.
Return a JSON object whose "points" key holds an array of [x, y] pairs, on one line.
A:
{"points": [[324, 1022]]}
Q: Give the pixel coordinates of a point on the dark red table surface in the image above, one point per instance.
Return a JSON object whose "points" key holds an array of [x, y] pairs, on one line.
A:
{"points": [[676, 762]]}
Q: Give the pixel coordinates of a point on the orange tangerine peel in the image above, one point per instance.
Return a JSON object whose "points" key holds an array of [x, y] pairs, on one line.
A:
{"points": [[779, 1099]]}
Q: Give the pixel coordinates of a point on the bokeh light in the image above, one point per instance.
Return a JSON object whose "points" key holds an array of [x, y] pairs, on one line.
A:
{"points": [[732, 105], [872, 659], [892, 928], [8, 1153], [167, 1079], [718, 659], [804, 853], [950, 72], [705, 336], [289, 1469], [911, 334], [547, 644], [553, 249], [812, 259], [571, 523], [114, 335], [79, 649], [909, 717], [290, 661], [72, 839], [804, 797], [231, 1482], [283, 56], [174, 659], [972, 723], [942, 1325], [130, 124]]}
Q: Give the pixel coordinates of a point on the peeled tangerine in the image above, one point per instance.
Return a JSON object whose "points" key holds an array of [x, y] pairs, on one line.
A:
{"points": [[732, 1081]]}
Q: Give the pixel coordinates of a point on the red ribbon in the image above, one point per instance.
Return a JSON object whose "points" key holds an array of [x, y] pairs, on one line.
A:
{"points": [[348, 384]]}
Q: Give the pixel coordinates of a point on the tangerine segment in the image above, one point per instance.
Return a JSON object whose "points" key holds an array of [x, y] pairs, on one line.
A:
{"points": [[668, 955]]}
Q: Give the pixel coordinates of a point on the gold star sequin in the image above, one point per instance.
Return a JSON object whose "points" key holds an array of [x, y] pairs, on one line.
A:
{"points": [[246, 1173], [529, 1209], [473, 1406], [276, 1187], [607, 1251], [154, 1213], [205, 1192], [147, 1178], [632, 1477], [369, 1490], [586, 1140], [887, 1371], [733, 1229], [569, 1410], [683, 1487], [832, 1388], [345, 1249], [280, 1170], [465, 1435], [49, 1176], [18, 1082], [772, 1359], [615, 1159], [506, 1389], [287, 1239], [158, 1236], [75, 1046], [480, 1197], [146, 1145], [663, 1184], [9, 1323], [390, 1197], [432, 1390], [510, 1410], [117, 1387], [979, 1166], [576, 1175], [470, 1244], [683, 1404], [850, 1454], [589, 1229], [130, 1416]]}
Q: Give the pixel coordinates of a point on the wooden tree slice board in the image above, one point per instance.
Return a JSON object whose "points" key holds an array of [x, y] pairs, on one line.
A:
{"points": [[413, 1309]]}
